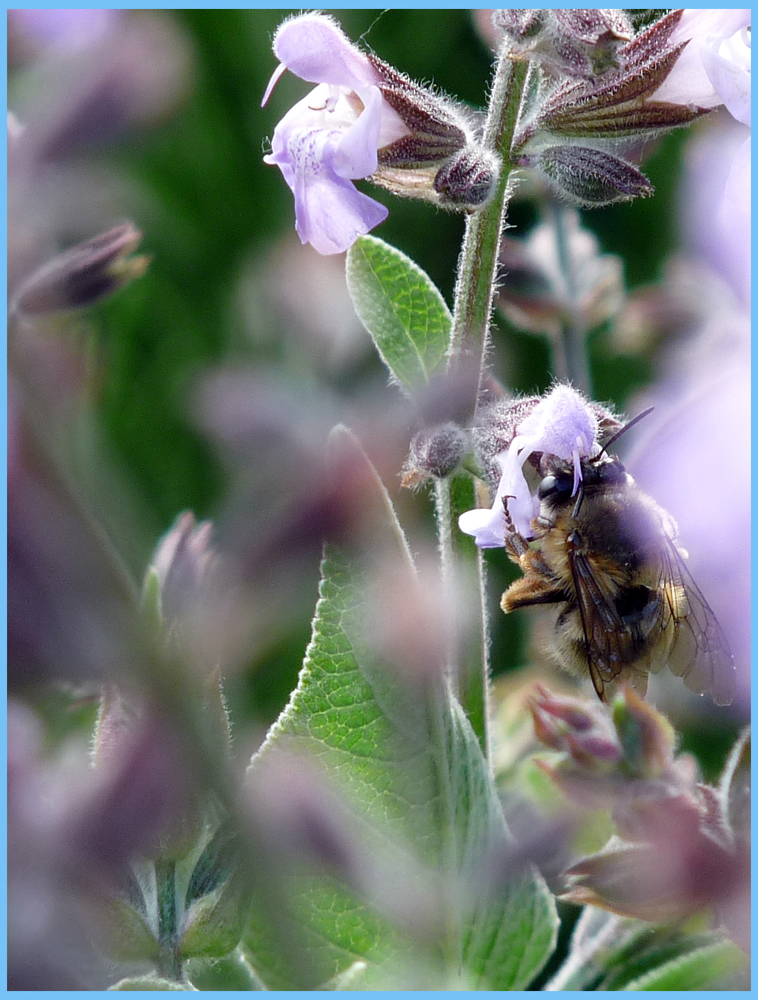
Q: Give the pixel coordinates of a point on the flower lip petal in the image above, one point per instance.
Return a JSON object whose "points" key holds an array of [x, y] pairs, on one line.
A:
{"points": [[313, 47], [330, 212], [487, 525]]}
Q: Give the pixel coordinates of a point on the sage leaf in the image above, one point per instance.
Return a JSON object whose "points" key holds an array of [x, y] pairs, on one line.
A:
{"points": [[410, 769], [401, 308]]}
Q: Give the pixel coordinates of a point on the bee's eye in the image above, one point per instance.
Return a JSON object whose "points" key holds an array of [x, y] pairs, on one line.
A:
{"points": [[559, 487]]}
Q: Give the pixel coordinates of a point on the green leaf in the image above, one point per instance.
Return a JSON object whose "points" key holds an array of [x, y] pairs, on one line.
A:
{"points": [[410, 769], [706, 968], [401, 308], [231, 973], [351, 978], [215, 864]]}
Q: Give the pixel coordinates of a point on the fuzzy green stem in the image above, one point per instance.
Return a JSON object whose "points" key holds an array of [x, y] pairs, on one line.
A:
{"points": [[169, 960], [477, 270], [474, 299]]}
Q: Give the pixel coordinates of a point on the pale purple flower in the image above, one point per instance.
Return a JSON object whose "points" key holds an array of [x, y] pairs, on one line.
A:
{"points": [[715, 69], [716, 40], [727, 62], [562, 424], [331, 137], [61, 31]]}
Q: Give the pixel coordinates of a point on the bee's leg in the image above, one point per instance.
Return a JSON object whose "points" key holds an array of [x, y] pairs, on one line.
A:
{"points": [[532, 589], [516, 546]]}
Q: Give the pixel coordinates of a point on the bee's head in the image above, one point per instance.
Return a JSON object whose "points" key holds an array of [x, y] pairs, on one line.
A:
{"points": [[559, 477], [557, 485]]}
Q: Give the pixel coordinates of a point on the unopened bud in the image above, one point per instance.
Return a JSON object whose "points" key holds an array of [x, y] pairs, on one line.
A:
{"points": [[579, 728], [83, 275], [468, 179], [520, 23], [435, 453], [646, 736], [590, 178], [574, 43], [180, 566], [440, 159]]}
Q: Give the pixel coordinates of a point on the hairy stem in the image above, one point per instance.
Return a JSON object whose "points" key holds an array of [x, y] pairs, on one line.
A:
{"points": [[474, 298], [477, 268]]}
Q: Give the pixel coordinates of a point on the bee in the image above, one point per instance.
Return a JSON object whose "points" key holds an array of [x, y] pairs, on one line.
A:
{"points": [[626, 603]]}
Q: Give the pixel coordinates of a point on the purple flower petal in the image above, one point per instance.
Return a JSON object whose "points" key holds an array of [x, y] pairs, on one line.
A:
{"points": [[332, 136], [314, 48], [688, 82], [356, 155], [487, 526], [330, 212], [727, 63]]}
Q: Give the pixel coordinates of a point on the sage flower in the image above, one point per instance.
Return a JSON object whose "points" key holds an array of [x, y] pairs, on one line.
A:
{"points": [[331, 137], [714, 67], [366, 119], [563, 424]]}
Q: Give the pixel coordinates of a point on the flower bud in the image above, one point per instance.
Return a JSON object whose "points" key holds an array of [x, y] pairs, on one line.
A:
{"points": [[589, 178], [520, 23], [83, 275], [181, 562], [439, 160], [468, 178], [577, 43], [646, 736], [579, 728], [621, 102], [435, 453]]}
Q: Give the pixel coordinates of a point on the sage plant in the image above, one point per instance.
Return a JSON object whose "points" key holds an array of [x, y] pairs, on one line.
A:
{"points": [[407, 822]]}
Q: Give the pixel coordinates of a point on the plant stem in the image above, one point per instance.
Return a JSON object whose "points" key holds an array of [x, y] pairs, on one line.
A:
{"points": [[477, 269], [169, 960], [474, 298], [570, 354]]}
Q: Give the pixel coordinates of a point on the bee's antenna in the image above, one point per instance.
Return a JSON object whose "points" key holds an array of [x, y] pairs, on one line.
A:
{"points": [[623, 430]]}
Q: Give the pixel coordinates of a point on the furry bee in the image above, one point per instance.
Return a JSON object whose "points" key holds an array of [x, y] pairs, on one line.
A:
{"points": [[626, 603]]}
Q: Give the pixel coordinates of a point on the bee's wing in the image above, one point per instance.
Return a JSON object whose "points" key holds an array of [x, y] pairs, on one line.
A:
{"points": [[607, 639], [698, 649]]}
